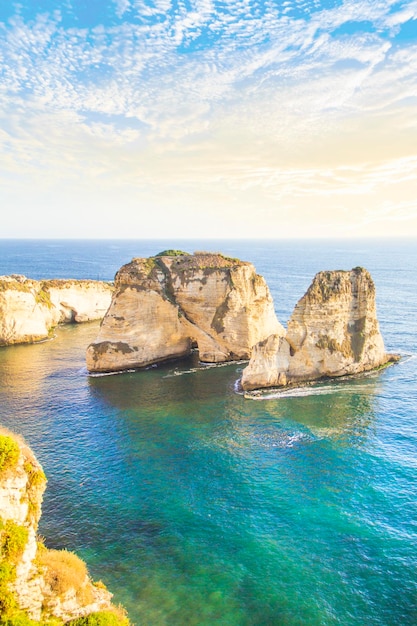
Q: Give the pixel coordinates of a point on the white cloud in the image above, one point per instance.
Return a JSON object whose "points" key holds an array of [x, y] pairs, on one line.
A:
{"points": [[274, 108], [122, 6]]}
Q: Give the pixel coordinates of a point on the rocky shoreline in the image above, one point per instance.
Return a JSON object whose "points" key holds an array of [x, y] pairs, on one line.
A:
{"points": [[37, 584], [31, 309], [166, 305], [162, 307]]}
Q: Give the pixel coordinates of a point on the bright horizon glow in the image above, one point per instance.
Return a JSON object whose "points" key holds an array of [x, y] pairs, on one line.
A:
{"points": [[137, 119]]}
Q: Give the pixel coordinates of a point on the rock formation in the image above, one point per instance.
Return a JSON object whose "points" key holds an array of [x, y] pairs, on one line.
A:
{"points": [[332, 332], [29, 309], [167, 304], [36, 582]]}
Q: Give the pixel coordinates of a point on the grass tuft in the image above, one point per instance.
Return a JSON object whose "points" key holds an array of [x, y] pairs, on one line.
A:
{"points": [[102, 618], [172, 253], [9, 454], [63, 571]]}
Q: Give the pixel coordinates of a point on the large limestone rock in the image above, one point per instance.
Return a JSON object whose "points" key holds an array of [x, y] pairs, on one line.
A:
{"points": [[42, 583], [332, 332], [165, 305], [29, 309]]}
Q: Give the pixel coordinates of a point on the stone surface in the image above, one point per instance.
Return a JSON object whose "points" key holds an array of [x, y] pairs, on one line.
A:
{"points": [[332, 332], [29, 309], [17, 499], [165, 305], [21, 491]]}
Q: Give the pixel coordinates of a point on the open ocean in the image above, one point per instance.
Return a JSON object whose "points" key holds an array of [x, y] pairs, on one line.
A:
{"points": [[197, 506]]}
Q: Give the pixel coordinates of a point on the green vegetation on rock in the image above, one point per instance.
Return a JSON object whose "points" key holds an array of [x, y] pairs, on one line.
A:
{"points": [[25, 286], [9, 453], [36, 478], [43, 297], [206, 261], [21, 619], [172, 253], [101, 618], [13, 539], [62, 570], [35, 474]]}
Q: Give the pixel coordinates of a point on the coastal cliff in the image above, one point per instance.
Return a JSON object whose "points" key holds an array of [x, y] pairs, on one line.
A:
{"points": [[332, 332], [35, 582], [163, 306], [29, 309]]}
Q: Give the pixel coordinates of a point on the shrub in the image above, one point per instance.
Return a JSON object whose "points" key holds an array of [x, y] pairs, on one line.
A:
{"points": [[9, 453], [64, 570], [101, 618], [13, 539], [172, 253], [36, 477], [43, 297], [35, 474], [20, 619], [7, 599]]}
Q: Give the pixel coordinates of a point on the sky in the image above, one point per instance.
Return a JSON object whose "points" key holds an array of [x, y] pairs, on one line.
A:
{"points": [[210, 119]]}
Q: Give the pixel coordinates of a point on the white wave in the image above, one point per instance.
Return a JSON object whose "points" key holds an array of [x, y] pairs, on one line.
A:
{"points": [[101, 374], [202, 366], [405, 358], [338, 385], [282, 440], [301, 392]]}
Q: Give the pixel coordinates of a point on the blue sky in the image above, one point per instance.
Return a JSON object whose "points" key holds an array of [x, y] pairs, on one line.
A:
{"points": [[129, 118]]}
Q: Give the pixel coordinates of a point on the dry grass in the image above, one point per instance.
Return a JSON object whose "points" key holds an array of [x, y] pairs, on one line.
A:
{"points": [[63, 571]]}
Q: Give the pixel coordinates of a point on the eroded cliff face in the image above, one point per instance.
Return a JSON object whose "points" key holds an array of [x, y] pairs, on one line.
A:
{"points": [[37, 582], [332, 332], [29, 309], [165, 305]]}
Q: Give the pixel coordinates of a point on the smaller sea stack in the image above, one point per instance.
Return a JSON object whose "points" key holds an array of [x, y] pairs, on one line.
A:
{"points": [[332, 332]]}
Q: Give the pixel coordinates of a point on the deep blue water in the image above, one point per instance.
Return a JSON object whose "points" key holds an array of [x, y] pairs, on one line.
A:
{"points": [[198, 506]]}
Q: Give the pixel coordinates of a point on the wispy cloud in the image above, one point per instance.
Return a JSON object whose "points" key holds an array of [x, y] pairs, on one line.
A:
{"points": [[277, 102]]}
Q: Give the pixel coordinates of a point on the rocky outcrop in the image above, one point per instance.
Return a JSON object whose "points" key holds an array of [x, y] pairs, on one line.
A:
{"points": [[35, 581], [29, 309], [332, 332], [167, 304]]}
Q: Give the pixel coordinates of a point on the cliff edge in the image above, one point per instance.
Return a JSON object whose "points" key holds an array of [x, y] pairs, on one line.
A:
{"points": [[29, 309], [332, 332], [165, 305], [37, 583]]}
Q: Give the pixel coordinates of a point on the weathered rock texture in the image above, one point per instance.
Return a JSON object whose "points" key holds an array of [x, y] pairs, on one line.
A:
{"points": [[29, 309], [39, 582], [332, 332], [165, 305]]}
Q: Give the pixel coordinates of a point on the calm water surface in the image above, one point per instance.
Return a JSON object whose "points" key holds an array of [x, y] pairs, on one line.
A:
{"points": [[198, 506]]}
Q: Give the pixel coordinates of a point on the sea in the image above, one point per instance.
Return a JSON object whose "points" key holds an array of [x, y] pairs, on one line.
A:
{"points": [[196, 505]]}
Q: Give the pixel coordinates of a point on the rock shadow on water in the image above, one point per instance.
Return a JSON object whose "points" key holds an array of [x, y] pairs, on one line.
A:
{"points": [[166, 385]]}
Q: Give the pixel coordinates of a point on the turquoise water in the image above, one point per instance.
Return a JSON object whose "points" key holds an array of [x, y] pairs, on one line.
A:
{"points": [[196, 505]]}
